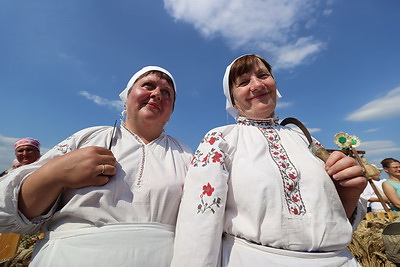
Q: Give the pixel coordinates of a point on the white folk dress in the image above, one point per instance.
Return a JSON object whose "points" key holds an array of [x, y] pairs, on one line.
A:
{"points": [[258, 186], [376, 206], [130, 221]]}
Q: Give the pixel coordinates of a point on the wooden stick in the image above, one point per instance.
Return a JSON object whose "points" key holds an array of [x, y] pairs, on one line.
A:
{"points": [[369, 178]]}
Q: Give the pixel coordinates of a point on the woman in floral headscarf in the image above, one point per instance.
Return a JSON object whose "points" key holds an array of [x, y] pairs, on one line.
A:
{"points": [[255, 190], [27, 151], [105, 196]]}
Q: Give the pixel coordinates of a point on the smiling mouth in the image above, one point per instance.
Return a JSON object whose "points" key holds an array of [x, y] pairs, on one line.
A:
{"points": [[152, 105], [258, 96]]}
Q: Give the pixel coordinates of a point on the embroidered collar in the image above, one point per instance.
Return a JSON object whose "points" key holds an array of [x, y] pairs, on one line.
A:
{"points": [[140, 139], [258, 122]]}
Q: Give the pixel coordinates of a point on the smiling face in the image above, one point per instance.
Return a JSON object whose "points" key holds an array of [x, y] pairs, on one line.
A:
{"points": [[393, 170], [27, 154], [150, 101], [254, 92]]}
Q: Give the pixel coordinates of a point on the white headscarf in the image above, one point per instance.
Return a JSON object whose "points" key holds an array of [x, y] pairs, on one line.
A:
{"points": [[229, 106], [124, 94]]}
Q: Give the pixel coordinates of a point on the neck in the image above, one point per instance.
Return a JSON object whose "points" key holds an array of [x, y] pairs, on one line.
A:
{"points": [[147, 133], [394, 177]]}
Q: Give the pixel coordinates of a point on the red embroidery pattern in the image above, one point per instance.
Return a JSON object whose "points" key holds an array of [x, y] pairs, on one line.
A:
{"points": [[289, 174], [139, 180], [63, 148], [215, 155], [208, 190]]}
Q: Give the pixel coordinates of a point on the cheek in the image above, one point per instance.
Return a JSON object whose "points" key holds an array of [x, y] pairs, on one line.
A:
{"points": [[168, 109], [237, 96], [137, 95], [167, 102]]}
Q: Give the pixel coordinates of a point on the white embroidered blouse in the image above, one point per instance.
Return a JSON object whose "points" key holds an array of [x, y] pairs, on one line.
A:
{"points": [[258, 181], [146, 188]]}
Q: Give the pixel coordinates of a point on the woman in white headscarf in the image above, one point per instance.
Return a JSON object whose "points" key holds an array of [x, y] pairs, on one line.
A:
{"points": [[256, 191], [105, 196]]}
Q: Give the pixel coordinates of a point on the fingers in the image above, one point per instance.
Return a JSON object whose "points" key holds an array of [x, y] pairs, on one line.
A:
{"points": [[100, 180], [333, 158], [344, 169], [107, 169], [347, 172], [86, 167], [106, 172], [342, 165], [101, 150]]}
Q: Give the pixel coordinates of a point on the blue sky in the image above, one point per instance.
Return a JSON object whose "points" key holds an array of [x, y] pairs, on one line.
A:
{"points": [[63, 64]]}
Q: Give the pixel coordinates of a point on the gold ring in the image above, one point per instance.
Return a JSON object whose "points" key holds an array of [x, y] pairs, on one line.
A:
{"points": [[102, 171]]}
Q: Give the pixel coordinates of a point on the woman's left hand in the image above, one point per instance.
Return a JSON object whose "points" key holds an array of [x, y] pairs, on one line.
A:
{"points": [[348, 178]]}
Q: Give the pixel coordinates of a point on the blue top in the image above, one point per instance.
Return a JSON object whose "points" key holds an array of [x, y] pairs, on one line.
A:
{"points": [[396, 187]]}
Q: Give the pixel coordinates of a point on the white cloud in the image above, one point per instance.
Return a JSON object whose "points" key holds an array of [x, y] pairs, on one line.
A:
{"points": [[310, 130], [373, 130], [314, 130], [283, 104], [291, 55], [7, 140], [382, 108], [327, 12], [381, 147], [6, 152], [267, 26], [102, 101]]}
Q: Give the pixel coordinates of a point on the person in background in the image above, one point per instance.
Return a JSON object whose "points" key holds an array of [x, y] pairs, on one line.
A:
{"points": [[255, 195], [391, 187], [374, 204], [16, 164], [27, 151], [105, 196]]}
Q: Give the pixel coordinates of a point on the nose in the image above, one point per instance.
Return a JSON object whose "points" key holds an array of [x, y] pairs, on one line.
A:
{"points": [[156, 93], [255, 84]]}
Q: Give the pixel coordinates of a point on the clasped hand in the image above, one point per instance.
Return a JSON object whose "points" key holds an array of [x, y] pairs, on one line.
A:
{"points": [[348, 178], [89, 166]]}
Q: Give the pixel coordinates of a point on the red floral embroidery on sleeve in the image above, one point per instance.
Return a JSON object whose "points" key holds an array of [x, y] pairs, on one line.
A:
{"points": [[208, 190], [209, 154], [212, 140], [217, 157]]}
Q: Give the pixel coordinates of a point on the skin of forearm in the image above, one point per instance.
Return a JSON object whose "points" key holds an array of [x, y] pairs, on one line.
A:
{"points": [[396, 203], [349, 206], [38, 193], [349, 198], [375, 199]]}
